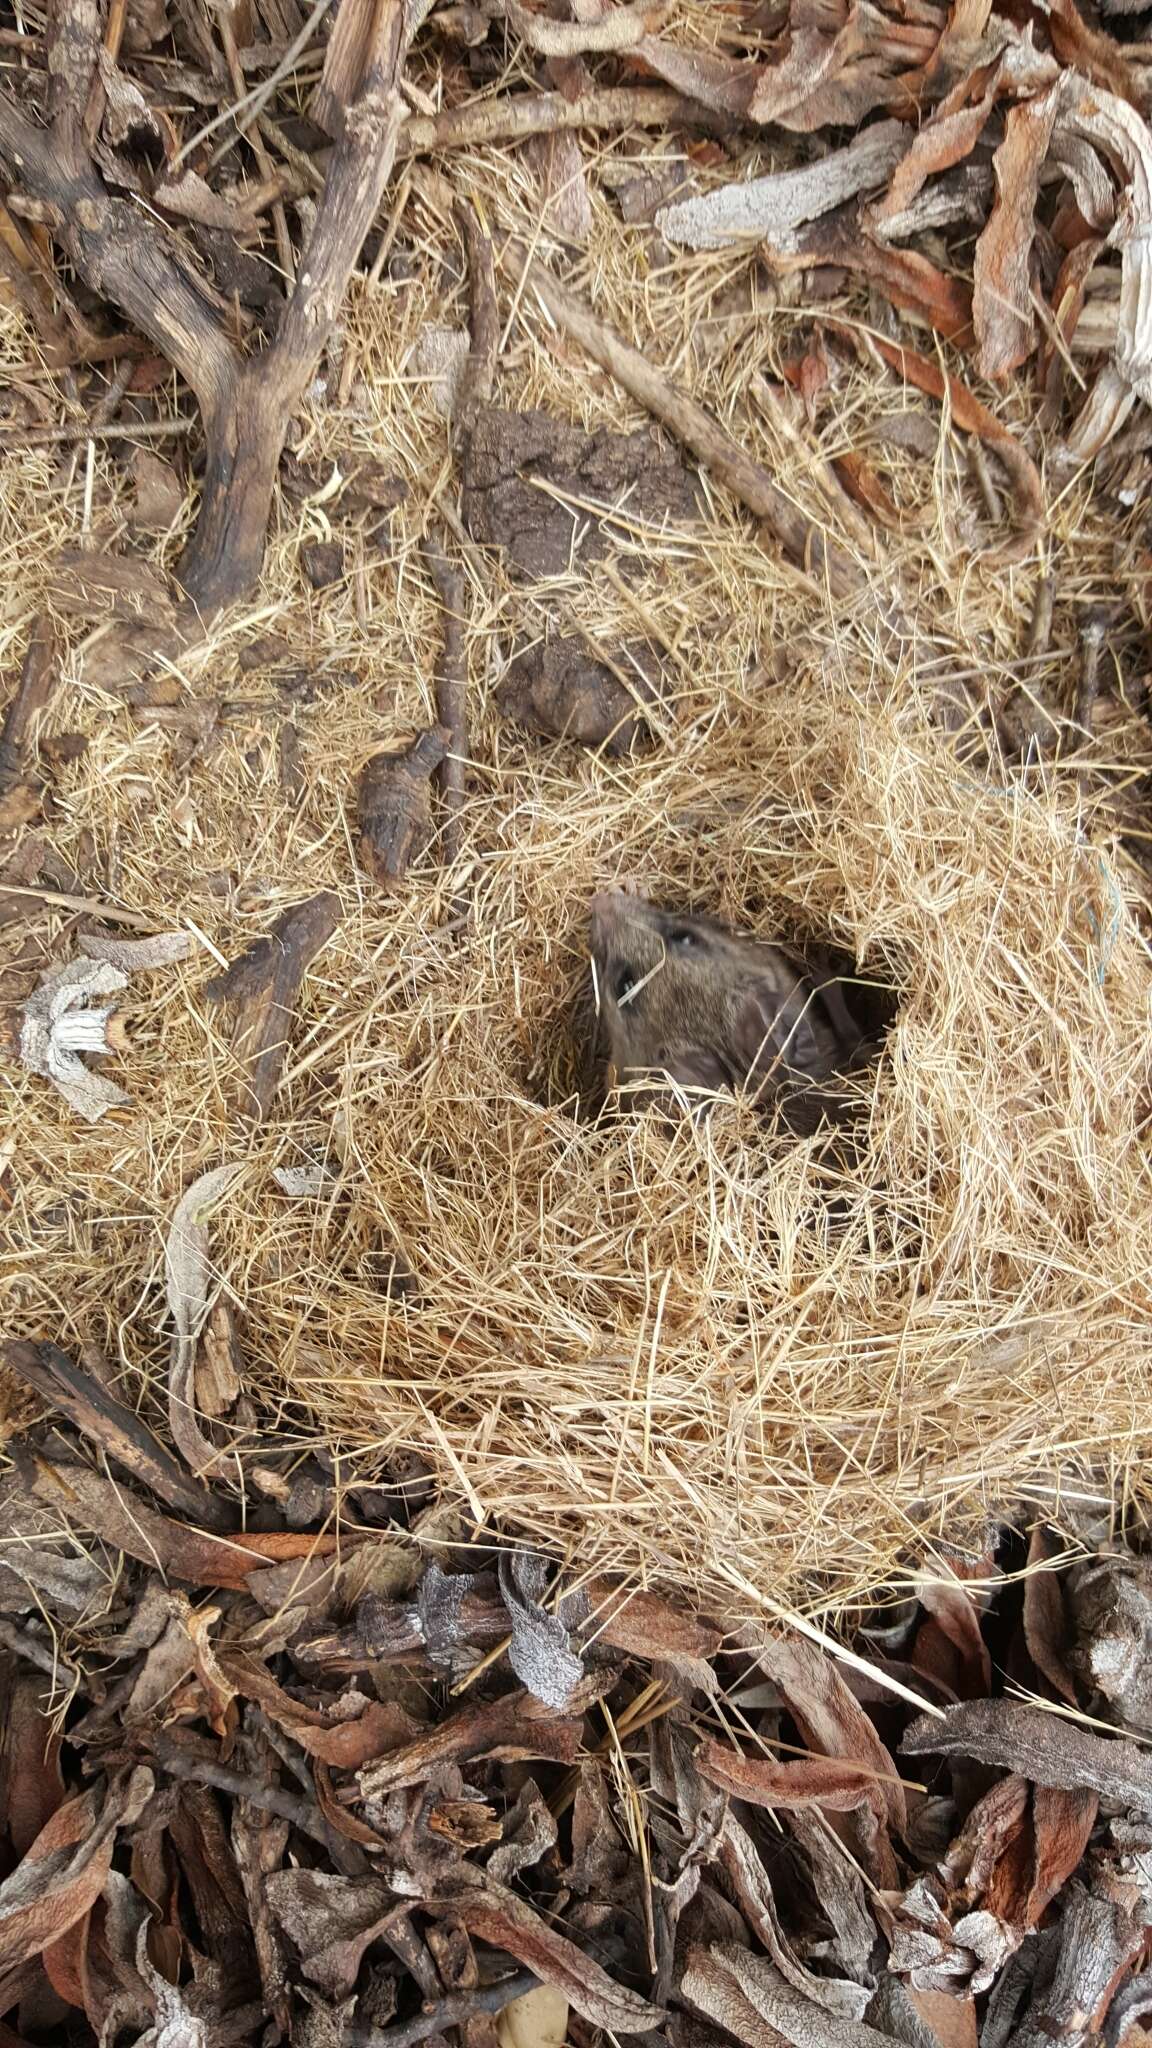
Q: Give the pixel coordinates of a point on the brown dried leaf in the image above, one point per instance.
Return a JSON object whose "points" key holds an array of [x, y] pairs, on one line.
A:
{"points": [[646, 1625], [864, 487], [946, 138], [951, 2019], [1062, 1824], [749, 1996], [1002, 296], [828, 1782], [1043, 1747], [63, 1873], [832, 1719], [344, 1738], [974, 418], [1046, 1629], [31, 1784], [87, 1501], [493, 1914], [943, 1595], [515, 1728]]}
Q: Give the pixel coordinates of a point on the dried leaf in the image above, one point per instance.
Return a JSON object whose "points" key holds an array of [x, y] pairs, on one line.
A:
{"points": [[188, 1279], [540, 1652], [61, 1023], [946, 138], [829, 1782], [493, 1914], [832, 1719], [87, 1501], [951, 2019], [1043, 1747], [640, 1624], [31, 1783], [945, 1598], [974, 418], [1002, 296], [354, 1732], [63, 1873], [1046, 1629], [515, 1727], [749, 1996], [1062, 1824], [767, 209], [865, 488]]}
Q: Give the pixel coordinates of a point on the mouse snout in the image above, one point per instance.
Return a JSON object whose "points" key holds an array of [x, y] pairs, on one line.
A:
{"points": [[607, 910]]}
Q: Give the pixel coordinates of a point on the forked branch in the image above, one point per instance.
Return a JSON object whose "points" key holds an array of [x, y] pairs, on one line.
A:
{"points": [[246, 401]]}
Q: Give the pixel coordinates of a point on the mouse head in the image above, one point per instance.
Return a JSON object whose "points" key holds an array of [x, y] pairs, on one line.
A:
{"points": [[681, 996]]}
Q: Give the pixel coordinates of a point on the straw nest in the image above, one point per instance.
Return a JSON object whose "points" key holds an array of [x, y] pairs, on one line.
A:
{"points": [[707, 1356]]}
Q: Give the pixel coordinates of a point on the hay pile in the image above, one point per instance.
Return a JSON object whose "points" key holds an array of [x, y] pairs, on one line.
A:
{"points": [[705, 1357]]}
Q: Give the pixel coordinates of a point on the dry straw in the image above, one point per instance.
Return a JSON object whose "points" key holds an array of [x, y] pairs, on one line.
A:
{"points": [[709, 1357]]}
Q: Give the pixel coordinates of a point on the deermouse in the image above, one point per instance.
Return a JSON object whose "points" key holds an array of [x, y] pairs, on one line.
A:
{"points": [[685, 997]]}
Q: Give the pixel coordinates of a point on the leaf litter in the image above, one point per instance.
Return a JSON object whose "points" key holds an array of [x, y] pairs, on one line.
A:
{"points": [[246, 1820]]}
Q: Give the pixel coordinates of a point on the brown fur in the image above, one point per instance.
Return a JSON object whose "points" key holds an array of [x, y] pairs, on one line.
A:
{"points": [[684, 997]]}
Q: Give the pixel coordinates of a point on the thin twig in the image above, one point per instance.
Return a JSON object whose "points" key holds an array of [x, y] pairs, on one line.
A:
{"points": [[511, 119], [87, 430], [239, 1785], [279, 217], [484, 320], [451, 696], [56, 898], [251, 104], [451, 2012], [809, 548], [45, 1659], [1088, 683]]}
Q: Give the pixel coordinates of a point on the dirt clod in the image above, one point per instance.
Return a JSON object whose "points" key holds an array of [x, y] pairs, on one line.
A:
{"points": [[561, 691], [535, 486]]}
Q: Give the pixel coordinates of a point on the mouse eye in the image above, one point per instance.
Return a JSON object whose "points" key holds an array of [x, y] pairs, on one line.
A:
{"points": [[683, 937], [624, 984]]}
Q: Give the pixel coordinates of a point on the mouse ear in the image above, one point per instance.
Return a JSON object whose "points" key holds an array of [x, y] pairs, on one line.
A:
{"points": [[776, 1033]]}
